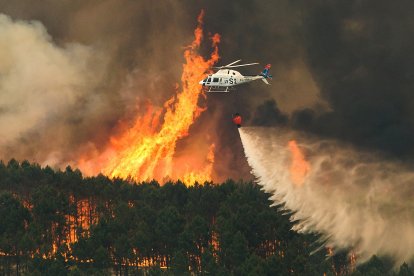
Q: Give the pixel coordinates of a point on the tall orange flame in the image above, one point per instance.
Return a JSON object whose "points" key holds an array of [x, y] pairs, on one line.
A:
{"points": [[146, 150], [299, 168]]}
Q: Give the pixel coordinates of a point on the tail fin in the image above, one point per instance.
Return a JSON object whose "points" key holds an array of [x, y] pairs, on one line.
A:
{"points": [[265, 72]]}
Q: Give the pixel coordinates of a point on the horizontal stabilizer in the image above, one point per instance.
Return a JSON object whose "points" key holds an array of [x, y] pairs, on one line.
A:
{"points": [[265, 81]]}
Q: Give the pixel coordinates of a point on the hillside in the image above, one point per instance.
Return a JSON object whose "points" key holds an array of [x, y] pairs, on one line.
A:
{"points": [[59, 222]]}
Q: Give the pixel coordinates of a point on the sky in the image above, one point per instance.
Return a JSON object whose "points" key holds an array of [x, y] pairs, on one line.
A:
{"points": [[71, 70]]}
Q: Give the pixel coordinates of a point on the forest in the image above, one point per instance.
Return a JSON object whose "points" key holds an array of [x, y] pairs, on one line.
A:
{"points": [[55, 222]]}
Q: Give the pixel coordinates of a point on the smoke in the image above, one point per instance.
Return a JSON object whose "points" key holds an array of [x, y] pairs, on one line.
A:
{"points": [[354, 199], [358, 53], [40, 83], [342, 70]]}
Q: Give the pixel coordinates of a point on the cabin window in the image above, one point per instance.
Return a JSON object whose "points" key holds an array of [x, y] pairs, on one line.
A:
{"points": [[228, 72], [215, 80], [234, 73], [209, 79]]}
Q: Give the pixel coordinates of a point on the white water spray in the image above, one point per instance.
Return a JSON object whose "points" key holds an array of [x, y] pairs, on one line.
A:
{"points": [[354, 200]]}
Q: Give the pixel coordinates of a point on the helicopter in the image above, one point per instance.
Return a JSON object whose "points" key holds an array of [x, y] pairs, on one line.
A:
{"points": [[225, 78]]}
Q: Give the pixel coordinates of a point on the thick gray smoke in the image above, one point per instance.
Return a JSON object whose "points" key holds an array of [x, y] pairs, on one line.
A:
{"points": [[355, 200], [40, 83]]}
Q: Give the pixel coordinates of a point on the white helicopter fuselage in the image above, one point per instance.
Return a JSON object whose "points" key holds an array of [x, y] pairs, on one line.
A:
{"points": [[227, 78]]}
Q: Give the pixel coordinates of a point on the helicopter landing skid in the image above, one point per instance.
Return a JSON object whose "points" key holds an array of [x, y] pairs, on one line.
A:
{"points": [[218, 89]]}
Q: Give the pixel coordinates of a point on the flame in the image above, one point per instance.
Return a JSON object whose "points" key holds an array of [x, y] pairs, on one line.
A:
{"points": [[146, 150], [201, 176], [299, 168]]}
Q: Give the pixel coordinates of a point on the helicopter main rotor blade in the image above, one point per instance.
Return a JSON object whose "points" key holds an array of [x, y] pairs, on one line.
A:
{"points": [[234, 62], [240, 65]]}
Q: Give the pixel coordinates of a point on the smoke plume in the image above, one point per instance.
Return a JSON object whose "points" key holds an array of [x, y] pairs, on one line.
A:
{"points": [[355, 200], [342, 70], [41, 83]]}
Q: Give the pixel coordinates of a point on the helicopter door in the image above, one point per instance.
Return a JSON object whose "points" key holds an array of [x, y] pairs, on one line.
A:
{"points": [[208, 81]]}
